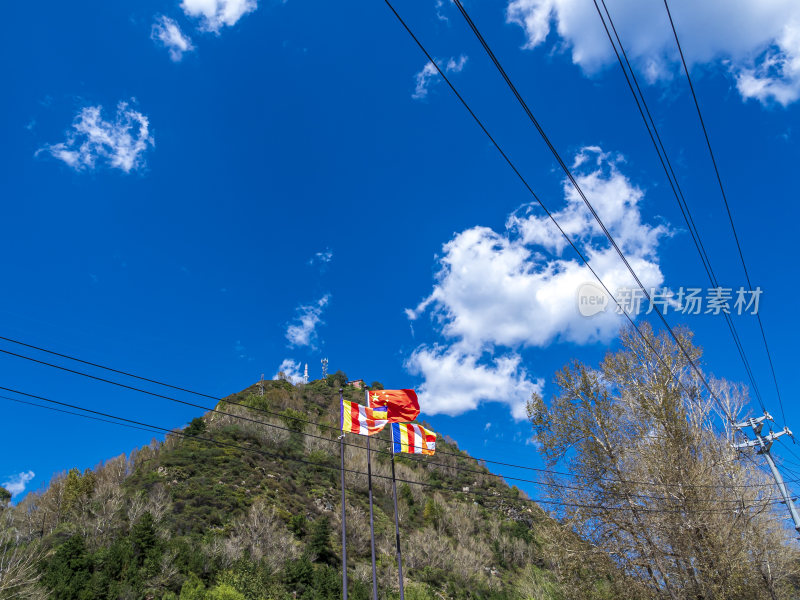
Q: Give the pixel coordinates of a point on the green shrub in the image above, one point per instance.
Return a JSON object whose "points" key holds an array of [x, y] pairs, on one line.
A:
{"points": [[294, 420], [223, 591], [193, 589], [298, 525]]}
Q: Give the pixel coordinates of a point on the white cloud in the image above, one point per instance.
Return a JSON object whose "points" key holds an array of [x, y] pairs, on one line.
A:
{"points": [[120, 144], [303, 332], [216, 14], [455, 380], [169, 34], [241, 351], [424, 79], [756, 41], [16, 484], [499, 289], [291, 371], [777, 75], [456, 66], [515, 290], [322, 257], [440, 13], [429, 75]]}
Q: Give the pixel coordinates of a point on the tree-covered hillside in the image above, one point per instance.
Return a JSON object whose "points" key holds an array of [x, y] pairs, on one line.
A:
{"points": [[246, 505]]}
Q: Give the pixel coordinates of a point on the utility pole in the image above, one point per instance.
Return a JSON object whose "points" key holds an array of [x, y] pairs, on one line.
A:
{"points": [[763, 443], [261, 386]]}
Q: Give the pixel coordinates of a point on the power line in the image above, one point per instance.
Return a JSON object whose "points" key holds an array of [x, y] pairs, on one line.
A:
{"points": [[420, 461], [69, 412], [789, 449], [107, 368], [287, 429], [580, 192], [415, 459], [194, 392], [157, 395], [140, 425], [666, 164], [497, 64], [725, 200], [527, 186], [447, 466]]}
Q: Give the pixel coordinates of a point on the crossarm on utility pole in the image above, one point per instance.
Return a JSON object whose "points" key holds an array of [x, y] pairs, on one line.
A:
{"points": [[764, 445]]}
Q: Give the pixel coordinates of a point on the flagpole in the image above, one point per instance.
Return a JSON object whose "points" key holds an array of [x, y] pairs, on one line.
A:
{"points": [[371, 520], [344, 512], [397, 526], [344, 531], [371, 524]]}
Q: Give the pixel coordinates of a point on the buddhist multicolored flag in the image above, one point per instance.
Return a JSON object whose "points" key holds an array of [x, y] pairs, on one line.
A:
{"points": [[414, 439], [362, 420], [402, 405]]}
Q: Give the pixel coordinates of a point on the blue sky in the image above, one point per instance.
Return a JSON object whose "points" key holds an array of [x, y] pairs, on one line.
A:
{"points": [[198, 191]]}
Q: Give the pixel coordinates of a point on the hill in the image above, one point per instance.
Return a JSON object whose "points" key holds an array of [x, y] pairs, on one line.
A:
{"points": [[246, 505]]}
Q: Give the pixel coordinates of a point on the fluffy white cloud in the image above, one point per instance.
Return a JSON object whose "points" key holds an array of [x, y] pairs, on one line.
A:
{"points": [[455, 380], [16, 484], [215, 14], [303, 331], [120, 144], [429, 75], [167, 32], [757, 41], [290, 370], [777, 76], [516, 290], [501, 289]]}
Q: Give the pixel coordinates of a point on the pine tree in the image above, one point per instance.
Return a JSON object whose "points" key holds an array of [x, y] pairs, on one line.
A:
{"points": [[319, 541], [69, 570]]}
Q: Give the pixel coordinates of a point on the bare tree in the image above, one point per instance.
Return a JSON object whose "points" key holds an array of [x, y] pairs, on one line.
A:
{"points": [[261, 535], [19, 572], [357, 537], [655, 489], [159, 502]]}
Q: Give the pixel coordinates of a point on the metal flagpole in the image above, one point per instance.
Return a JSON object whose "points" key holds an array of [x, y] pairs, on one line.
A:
{"points": [[344, 531], [371, 524], [371, 521], [344, 513], [397, 526]]}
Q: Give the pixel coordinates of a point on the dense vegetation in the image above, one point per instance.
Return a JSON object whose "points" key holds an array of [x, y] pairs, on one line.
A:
{"points": [[258, 516]]}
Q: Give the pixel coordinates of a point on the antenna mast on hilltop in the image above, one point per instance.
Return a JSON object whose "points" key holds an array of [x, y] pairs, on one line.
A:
{"points": [[305, 374], [261, 386], [324, 368]]}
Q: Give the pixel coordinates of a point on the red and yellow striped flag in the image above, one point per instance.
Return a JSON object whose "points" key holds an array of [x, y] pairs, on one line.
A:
{"points": [[414, 439], [362, 420]]}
